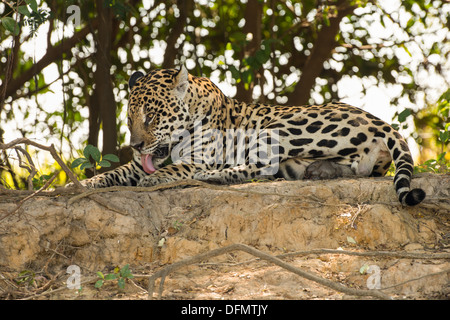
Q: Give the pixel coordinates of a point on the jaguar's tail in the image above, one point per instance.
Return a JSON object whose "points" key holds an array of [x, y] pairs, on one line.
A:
{"points": [[404, 168]]}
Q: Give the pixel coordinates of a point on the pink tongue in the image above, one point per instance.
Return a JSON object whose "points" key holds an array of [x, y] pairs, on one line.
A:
{"points": [[147, 163]]}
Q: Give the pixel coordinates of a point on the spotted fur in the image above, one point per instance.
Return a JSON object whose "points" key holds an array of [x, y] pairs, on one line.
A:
{"points": [[325, 141]]}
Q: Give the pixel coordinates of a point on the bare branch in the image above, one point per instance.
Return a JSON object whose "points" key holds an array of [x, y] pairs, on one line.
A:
{"points": [[30, 168], [53, 53], [52, 151], [264, 256]]}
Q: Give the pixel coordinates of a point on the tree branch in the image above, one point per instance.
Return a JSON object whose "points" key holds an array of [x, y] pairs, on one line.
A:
{"points": [[52, 151], [53, 53], [264, 256], [253, 20], [105, 101], [185, 7]]}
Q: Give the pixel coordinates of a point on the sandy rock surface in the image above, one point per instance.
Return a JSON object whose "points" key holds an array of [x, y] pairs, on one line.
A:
{"points": [[149, 230]]}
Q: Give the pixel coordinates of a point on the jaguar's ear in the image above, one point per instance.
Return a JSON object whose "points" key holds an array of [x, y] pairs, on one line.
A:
{"points": [[181, 83], [134, 77]]}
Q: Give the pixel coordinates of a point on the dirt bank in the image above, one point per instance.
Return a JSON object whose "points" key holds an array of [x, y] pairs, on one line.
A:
{"points": [[149, 230]]}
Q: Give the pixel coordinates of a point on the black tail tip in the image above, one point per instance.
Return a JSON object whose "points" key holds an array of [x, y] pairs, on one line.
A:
{"points": [[415, 196]]}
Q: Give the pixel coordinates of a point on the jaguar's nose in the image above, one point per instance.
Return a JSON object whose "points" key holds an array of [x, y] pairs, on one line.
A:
{"points": [[138, 146]]}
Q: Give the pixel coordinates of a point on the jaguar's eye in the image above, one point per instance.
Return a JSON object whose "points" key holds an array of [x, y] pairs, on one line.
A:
{"points": [[149, 118]]}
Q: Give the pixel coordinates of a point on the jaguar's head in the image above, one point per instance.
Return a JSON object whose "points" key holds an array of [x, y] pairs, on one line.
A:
{"points": [[156, 109]]}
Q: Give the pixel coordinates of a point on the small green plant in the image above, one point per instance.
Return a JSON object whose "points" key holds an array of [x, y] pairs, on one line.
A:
{"points": [[439, 165], [91, 152], [177, 225], [26, 277], [119, 274], [40, 182], [442, 134]]}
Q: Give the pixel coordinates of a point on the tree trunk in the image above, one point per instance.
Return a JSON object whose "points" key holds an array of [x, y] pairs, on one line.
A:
{"points": [[185, 7], [94, 119], [323, 46], [104, 96], [253, 20]]}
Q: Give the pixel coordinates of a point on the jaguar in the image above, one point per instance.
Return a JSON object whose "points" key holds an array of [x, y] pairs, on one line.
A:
{"points": [[184, 127]]}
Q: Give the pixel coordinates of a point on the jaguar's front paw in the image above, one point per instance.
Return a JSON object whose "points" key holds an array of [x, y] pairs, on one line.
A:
{"points": [[210, 177], [202, 176], [91, 183], [148, 181], [84, 184]]}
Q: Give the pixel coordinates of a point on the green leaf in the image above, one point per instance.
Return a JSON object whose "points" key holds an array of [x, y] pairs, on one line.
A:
{"points": [[87, 151], [410, 23], [111, 157], [404, 114], [445, 96], [447, 126], [234, 72], [10, 25], [92, 151], [86, 165], [364, 268], [121, 283], [100, 275], [262, 56], [443, 136], [78, 162], [125, 269], [98, 284], [125, 272], [441, 156], [104, 164], [111, 276], [33, 5], [237, 37], [24, 10]]}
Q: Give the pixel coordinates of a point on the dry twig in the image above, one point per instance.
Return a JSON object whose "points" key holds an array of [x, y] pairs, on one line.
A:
{"points": [[264, 256], [50, 149], [387, 254], [378, 254], [30, 168]]}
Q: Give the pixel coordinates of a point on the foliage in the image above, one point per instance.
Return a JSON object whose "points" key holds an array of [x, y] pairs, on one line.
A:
{"points": [[436, 123], [41, 180], [33, 19], [119, 274], [94, 159], [439, 165], [26, 277]]}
